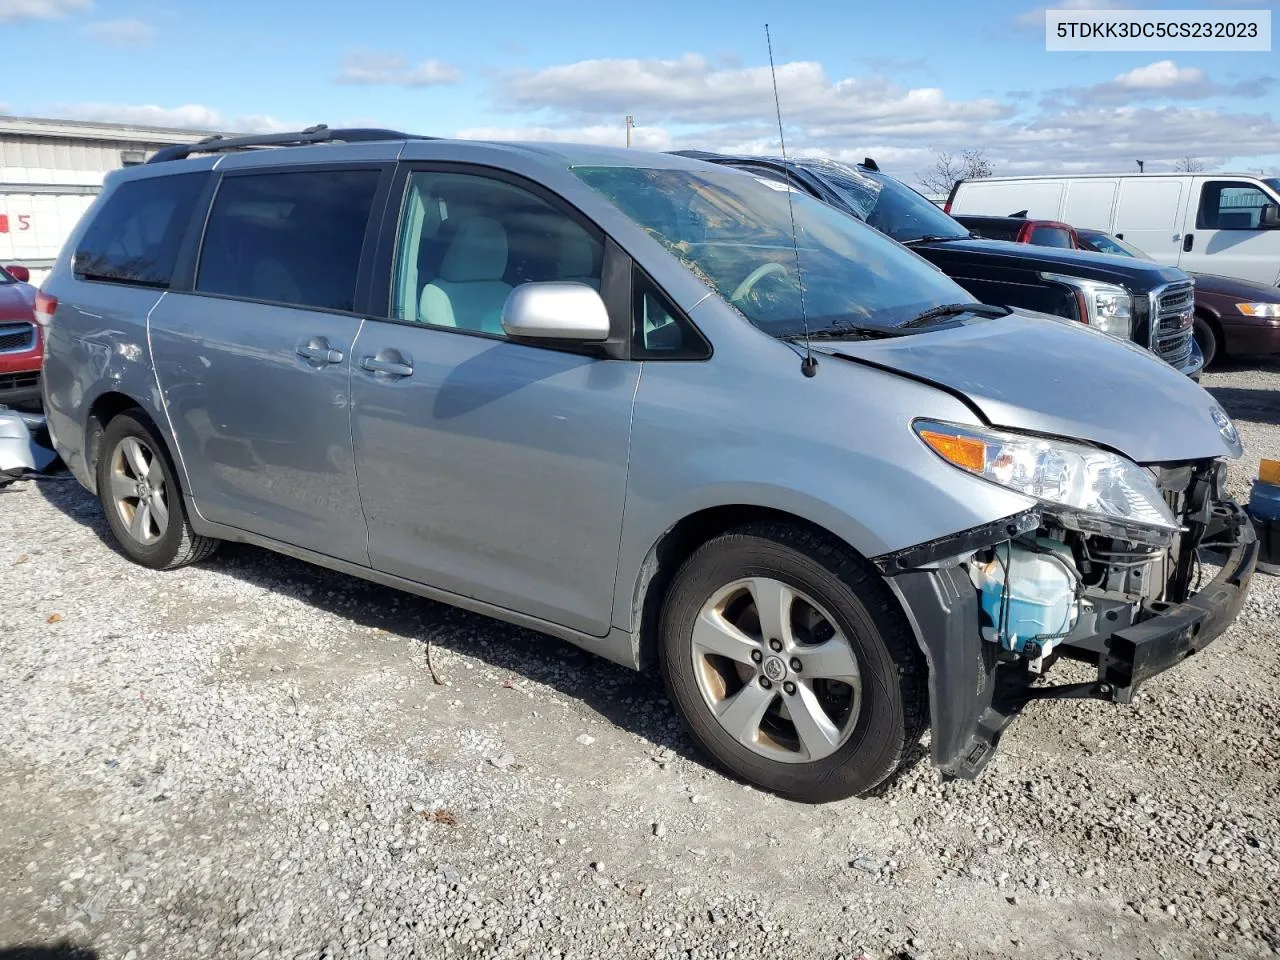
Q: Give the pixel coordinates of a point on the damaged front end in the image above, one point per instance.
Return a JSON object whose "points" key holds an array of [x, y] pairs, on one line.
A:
{"points": [[995, 607], [25, 448]]}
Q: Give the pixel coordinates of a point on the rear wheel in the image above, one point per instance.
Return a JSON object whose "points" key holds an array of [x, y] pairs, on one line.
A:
{"points": [[791, 663], [139, 492], [1206, 339]]}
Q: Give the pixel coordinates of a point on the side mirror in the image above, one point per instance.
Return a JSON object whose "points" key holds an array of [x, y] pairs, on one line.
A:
{"points": [[555, 310], [21, 274], [1270, 218]]}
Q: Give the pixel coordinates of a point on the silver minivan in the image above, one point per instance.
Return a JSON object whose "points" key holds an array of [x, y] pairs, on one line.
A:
{"points": [[682, 416]]}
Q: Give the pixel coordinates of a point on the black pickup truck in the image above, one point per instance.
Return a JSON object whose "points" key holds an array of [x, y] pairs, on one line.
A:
{"points": [[1148, 303]]}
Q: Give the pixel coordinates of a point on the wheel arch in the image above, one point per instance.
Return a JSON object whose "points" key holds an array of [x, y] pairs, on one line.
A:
{"points": [[677, 543], [102, 411], [1211, 317]]}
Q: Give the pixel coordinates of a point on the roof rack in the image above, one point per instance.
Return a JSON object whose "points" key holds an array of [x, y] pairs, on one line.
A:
{"points": [[320, 133]]}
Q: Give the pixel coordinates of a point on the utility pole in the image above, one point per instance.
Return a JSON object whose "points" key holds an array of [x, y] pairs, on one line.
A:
{"points": [[630, 123], [1140, 165]]}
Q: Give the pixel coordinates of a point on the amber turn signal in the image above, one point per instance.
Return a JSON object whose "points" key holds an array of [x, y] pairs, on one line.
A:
{"points": [[964, 452]]}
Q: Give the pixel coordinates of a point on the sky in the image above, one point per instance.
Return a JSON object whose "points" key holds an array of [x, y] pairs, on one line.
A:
{"points": [[897, 83]]}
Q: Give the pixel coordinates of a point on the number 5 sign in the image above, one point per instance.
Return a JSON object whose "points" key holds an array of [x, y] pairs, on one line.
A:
{"points": [[24, 222]]}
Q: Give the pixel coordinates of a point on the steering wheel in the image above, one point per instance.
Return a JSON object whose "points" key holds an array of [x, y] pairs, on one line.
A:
{"points": [[754, 277]]}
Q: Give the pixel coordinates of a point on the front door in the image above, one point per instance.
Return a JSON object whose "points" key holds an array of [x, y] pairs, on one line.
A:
{"points": [[1224, 233], [254, 365], [491, 469]]}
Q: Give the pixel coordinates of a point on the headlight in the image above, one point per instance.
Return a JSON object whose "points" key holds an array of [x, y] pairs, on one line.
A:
{"points": [[1104, 306], [1270, 311], [1084, 480]]}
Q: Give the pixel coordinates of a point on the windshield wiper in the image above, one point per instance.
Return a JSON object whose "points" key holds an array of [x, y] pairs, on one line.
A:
{"points": [[936, 238], [955, 309], [843, 333]]}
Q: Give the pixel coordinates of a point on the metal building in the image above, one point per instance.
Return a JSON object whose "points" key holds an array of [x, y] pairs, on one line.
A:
{"points": [[50, 171]]}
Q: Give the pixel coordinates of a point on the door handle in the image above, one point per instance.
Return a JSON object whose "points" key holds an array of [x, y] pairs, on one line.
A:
{"points": [[317, 349], [1187, 241], [393, 368]]}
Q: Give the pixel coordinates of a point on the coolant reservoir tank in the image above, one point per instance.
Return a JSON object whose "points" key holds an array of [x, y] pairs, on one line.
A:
{"points": [[1028, 595]]}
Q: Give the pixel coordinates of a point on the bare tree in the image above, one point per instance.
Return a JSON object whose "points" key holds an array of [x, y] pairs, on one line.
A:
{"points": [[948, 168], [1188, 165]]}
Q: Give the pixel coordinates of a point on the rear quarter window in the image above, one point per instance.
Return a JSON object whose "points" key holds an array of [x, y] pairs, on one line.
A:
{"points": [[134, 238]]}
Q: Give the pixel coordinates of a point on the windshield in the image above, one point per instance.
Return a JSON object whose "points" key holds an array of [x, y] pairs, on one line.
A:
{"points": [[889, 206], [733, 230], [1273, 183], [6, 276], [1106, 243]]}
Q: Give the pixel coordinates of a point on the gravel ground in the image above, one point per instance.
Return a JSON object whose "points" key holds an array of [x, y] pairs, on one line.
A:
{"points": [[251, 758]]}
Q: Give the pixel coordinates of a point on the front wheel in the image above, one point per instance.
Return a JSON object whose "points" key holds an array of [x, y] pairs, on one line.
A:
{"points": [[791, 663], [139, 492], [1205, 339]]}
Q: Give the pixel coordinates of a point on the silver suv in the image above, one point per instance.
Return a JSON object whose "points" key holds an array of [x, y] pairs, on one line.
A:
{"points": [[680, 415]]}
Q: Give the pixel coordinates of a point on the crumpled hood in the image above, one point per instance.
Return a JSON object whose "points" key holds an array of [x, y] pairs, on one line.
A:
{"points": [[1048, 375]]}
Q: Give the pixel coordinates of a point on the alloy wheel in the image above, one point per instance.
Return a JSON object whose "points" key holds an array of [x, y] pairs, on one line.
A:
{"points": [[776, 671], [138, 490]]}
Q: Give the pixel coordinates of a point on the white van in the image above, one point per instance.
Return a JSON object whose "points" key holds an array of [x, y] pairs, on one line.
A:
{"points": [[1222, 223]]}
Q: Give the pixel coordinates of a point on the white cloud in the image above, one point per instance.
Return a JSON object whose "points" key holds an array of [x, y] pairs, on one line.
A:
{"points": [[690, 103], [1161, 80], [1112, 138], [691, 90], [1161, 75], [192, 116], [18, 10], [385, 69], [121, 33]]}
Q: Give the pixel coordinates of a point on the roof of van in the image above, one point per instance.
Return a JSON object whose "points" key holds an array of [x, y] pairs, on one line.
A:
{"points": [[1114, 176]]}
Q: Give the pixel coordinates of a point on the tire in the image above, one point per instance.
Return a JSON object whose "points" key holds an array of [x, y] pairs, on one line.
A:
{"points": [[1207, 340], [162, 540], [844, 613]]}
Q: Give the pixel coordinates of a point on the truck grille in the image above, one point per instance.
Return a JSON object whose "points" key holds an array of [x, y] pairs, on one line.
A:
{"points": [[1173, 310], [16, 337]]}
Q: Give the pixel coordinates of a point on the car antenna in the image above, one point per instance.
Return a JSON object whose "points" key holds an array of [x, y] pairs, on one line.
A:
{"points": [[809, 365]]}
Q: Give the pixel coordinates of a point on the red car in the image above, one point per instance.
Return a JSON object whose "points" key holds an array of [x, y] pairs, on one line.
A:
{"points": [[1018, 229], [1233, 317], [21, 342]]}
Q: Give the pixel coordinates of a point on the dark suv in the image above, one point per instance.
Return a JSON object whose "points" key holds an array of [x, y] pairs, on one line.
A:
{"points": [[1148, 303]]}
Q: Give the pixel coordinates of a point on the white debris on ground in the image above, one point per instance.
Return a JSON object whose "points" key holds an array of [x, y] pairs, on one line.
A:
{"points": [[250, 758]]}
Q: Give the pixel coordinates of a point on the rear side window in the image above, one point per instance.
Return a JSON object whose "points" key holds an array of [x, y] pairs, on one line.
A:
{"points": [[993, 229], [1050, 237], [292, 238], [135, 236]]}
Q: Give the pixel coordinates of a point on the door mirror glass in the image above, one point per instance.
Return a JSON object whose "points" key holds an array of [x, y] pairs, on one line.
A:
{"points": [[21, 274], [555, 310], [1271, 216]]}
